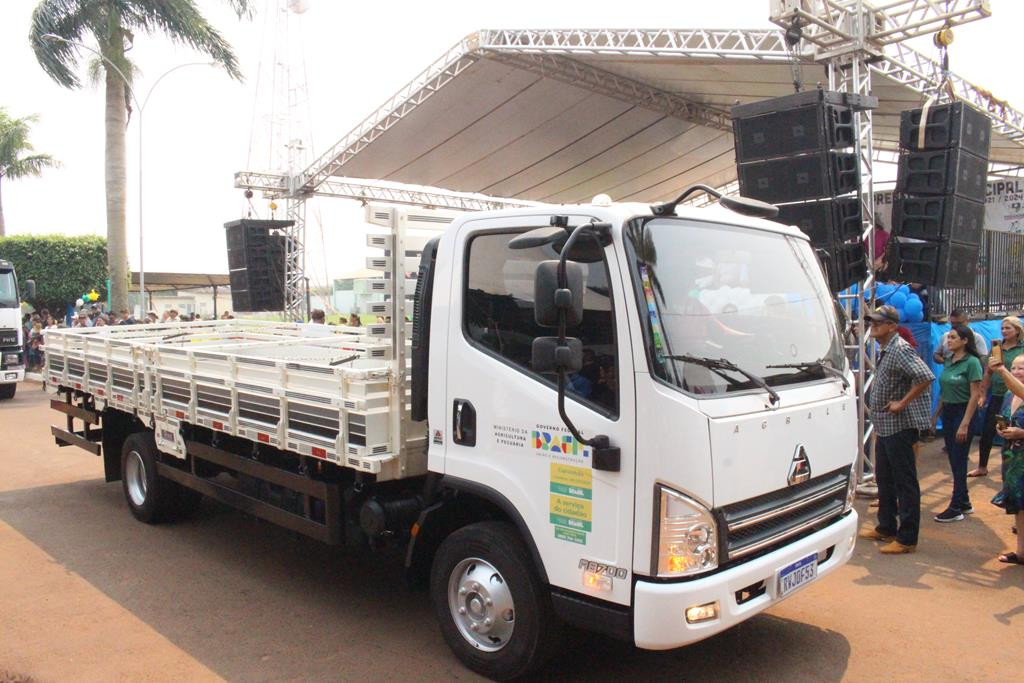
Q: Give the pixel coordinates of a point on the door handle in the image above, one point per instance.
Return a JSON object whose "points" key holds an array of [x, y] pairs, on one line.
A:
{"points": [[464, 422]]}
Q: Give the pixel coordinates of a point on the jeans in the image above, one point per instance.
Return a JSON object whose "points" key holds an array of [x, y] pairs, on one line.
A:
{"points": [[988, 432], [899, 492], [952, 416]]}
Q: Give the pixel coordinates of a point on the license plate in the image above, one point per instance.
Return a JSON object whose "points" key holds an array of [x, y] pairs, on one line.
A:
{"points": [[10, 375], [797, 574]]}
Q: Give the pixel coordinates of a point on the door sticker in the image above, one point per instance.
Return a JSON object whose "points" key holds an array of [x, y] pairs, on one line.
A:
{"points": [[570, 502]]}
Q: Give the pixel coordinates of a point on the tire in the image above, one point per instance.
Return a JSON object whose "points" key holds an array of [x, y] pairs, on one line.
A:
{"points": [[483, 572], [7, 390], [151, 499]]}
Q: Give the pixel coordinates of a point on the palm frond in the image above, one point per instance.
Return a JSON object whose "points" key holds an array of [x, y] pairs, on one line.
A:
{"points": [[183, 23], [14, 144], [30, 166], [69, 19]]}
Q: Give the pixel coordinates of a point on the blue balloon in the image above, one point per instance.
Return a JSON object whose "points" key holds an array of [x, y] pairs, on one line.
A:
{"points": [[915, 316], [903, 316], [905, 289], [914, 307], [899, 300]]}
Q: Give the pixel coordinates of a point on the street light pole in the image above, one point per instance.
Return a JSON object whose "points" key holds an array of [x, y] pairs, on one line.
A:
{"points": [[138, 108]]}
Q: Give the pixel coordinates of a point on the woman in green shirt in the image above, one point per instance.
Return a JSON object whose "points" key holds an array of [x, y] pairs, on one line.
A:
{"points": [[1011, 497], [994, 389], [960, 387]]}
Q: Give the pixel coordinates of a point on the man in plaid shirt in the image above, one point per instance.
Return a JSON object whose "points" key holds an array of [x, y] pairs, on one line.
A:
{"points": [[900, 404]]}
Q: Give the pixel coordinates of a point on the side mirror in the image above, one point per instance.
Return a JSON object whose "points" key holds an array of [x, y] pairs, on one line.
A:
{"points": [[550, 299], [550, 356], [29, 290]]}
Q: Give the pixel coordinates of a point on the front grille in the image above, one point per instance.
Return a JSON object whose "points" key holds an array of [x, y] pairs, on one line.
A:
{"points": [[758, 523]]}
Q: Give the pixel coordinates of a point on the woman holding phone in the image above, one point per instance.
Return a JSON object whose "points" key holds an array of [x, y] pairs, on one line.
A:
{"points": [[1010, 426], [960, 389], [994, 388]]}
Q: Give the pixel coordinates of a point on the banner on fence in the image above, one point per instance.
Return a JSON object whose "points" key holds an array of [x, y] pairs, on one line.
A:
{"points": [[1004, 206]]}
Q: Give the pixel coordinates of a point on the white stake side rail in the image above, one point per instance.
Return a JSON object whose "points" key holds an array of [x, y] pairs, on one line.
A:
{"points": [[336, 393]]}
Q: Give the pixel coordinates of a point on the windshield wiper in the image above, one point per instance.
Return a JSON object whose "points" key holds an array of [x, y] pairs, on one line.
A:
{"points": [[717, 364], [821, 364]]}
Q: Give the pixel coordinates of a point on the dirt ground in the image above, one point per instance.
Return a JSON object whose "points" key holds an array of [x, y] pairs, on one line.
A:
{"points": [[89, 594]]}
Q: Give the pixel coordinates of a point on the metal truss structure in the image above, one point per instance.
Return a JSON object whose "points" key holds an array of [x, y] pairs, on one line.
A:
{"points": [[274, 186], [295, 261], [856, 27], [851, 37]]}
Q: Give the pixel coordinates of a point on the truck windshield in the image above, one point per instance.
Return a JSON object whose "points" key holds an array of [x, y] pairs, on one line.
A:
{"points": [[750, 297], [8, 290]]}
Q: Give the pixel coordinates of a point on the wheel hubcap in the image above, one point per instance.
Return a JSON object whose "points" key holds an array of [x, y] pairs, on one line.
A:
{"points": [[135, 478], [481, 604]]}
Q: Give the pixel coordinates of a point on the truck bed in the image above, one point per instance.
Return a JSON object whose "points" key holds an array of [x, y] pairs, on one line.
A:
{"points": [[323, 391]]}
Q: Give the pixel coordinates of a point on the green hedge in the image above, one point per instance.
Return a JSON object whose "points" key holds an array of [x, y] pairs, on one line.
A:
{"points": [[63, 267]]}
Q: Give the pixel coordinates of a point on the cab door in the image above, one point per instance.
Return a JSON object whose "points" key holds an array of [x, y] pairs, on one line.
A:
{"points": [[503, 429]]}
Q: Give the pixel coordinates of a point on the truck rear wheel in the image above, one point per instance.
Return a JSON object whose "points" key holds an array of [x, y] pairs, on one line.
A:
{"points": [[495, 612], [7, 390], [151, 498]]}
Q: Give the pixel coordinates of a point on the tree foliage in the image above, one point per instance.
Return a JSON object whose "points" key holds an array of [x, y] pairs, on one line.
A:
{"points": [[16, 159], [63, 267], [62, 29]]}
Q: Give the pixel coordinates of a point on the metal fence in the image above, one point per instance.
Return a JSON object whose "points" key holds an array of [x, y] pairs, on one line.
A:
{"points": [[1000, 283]]}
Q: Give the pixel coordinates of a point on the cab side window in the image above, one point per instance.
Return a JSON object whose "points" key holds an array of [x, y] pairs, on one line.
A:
{"points": [[498, 316]]}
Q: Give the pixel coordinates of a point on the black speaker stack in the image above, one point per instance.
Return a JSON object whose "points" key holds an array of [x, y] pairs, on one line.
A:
{"points": [[798, 152], [939, 209], [256, 264]]}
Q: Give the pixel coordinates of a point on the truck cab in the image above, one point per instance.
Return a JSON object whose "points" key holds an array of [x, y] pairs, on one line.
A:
{"points": [[12, 341], [710, 359]]}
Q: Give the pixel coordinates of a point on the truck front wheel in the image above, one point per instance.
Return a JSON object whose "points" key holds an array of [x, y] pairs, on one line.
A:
{"points": [[7, 390], [495, 612]]}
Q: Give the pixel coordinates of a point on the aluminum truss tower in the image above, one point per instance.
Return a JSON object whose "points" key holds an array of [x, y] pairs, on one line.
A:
{"points": [[850, 37]]}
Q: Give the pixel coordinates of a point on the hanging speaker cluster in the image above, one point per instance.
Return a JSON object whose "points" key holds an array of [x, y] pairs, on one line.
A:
{"points": [[256, 258], [798, 152], [939, 207]]}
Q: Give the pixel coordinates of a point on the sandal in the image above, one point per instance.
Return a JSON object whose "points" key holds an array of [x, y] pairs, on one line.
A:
{"points": [[978, 472], [1010, 558]]}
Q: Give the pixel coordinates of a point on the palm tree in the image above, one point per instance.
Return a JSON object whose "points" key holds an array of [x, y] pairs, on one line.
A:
{"points": [[15, 160], [112, 24]]}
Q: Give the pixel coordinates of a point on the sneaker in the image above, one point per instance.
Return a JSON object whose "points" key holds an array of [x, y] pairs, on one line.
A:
{"points": [[967, 509], [873, 535], [949, 515], [897, 548]]}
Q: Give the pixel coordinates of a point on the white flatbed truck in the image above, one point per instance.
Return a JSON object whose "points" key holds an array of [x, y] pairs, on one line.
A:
{"points": [[652, 438]]}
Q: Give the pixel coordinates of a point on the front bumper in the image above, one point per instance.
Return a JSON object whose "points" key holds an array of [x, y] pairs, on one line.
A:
{"points": [[659, 609], [15, 374]]}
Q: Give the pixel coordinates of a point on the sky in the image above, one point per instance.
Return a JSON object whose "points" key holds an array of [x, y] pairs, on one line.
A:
{"points": [[200, 126]]}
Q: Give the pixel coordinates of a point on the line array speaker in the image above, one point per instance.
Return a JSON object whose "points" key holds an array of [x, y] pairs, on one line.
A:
{"points": [[945, 264], [940, 193], [797, 178], [827, 221], [256, 264]]}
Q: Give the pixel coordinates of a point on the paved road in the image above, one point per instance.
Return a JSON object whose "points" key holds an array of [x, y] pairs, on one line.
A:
{"points": [[89, 594]]}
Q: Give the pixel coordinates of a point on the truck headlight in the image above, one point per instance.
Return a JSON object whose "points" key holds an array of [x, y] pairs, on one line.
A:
{"points": [[12, 358], [851, 489], [685, 535]]}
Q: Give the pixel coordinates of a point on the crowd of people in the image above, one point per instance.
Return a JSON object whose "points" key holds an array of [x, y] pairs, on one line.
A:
{"points": [[980, 392]]}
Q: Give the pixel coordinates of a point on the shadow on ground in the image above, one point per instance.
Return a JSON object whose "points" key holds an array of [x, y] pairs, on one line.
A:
{"points": [[254, 602]]}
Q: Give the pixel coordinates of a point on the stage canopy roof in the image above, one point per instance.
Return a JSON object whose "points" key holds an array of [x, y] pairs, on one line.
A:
{"points": [[562, 115], [163, 282]]}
